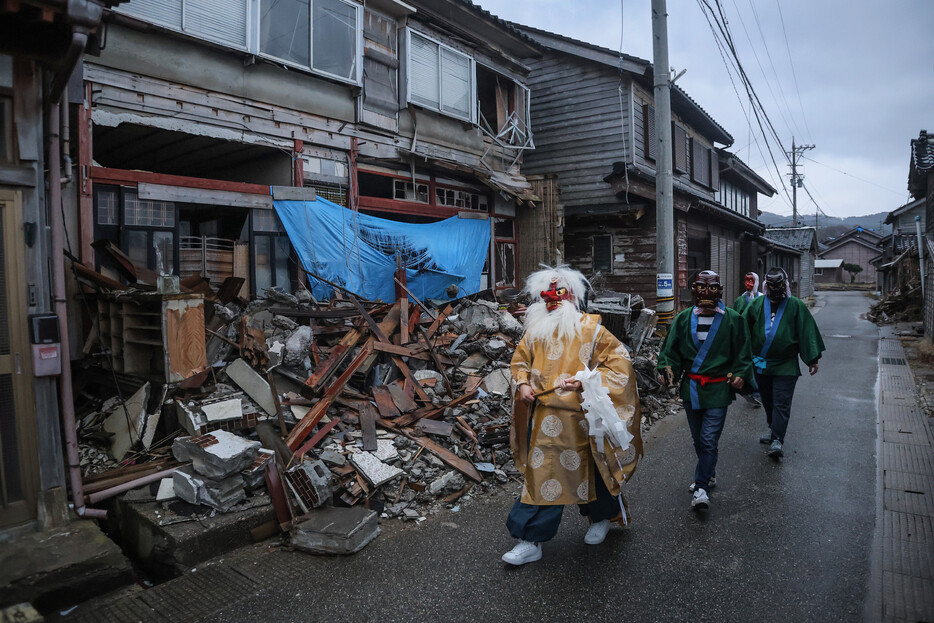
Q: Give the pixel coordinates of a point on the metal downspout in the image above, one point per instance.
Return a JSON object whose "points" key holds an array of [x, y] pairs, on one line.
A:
{"points": [[56, 222]]}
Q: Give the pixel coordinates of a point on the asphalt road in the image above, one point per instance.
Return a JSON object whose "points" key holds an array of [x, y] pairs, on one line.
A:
{"points": [[784, 540]]}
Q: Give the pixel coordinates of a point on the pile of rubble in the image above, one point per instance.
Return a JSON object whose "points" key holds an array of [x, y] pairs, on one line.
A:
{"points": [[904, 305], [400, 408]]}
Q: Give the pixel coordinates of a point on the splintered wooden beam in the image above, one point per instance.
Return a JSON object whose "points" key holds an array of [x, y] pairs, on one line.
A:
{"points": [[311, 419], [368, 427], [431, 414], [387, 408], [381, 336], [440, 319], [463, 466]]}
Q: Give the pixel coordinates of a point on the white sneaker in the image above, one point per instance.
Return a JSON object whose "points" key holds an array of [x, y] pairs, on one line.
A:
{"points": [[597, 532], [523, 552], [711, 483], [700, 501]]}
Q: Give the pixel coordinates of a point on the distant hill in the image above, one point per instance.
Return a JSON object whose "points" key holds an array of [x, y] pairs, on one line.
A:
{"points": [[869, 221]]}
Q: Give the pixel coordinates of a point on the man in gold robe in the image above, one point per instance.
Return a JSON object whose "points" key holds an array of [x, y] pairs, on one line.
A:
{"points": [[563, 452]]}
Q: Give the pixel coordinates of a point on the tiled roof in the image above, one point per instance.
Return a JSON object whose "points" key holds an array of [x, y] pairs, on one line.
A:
{"points": [[677, 92], [922, 152], [795, 237], [476, 8]]}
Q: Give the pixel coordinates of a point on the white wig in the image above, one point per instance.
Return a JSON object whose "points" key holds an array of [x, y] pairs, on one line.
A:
{"points": [[566, 277]]}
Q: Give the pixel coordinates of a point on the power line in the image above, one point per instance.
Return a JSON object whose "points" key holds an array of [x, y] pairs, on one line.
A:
{"points": [[768, 54], [794, 74], [725, 39], [897, 192]]}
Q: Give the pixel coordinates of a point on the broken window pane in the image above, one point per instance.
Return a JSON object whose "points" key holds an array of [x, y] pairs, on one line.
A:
{"points": [[334, 38], [262, 253], [282, 251], [603, 253], [164, 243], [284, 30], [505, 264]]}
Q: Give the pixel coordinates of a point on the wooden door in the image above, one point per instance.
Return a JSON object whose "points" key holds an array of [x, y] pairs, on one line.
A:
{"points": [[18, 457]]}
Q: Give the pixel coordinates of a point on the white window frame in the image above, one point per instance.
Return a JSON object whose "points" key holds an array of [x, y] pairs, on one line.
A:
{"points": [[250, 8], [471, 71], [358, 79], [252, 43]]}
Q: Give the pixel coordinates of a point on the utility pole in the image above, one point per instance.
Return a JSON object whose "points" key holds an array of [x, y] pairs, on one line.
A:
{"points": [[796, 180], [664, 201]]}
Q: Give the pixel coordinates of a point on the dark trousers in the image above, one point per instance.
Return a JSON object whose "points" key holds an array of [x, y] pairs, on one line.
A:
{"points": [[706, 426], [537, 524], [777, 392]]}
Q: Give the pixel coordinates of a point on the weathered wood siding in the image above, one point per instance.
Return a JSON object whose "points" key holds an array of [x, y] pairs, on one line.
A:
{"points": [[579, 127], [855, 253], [633, 253], [540, 240]]}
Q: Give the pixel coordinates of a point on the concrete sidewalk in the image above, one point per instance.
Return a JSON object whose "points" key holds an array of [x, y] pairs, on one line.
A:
{"points": [[902, 585]]}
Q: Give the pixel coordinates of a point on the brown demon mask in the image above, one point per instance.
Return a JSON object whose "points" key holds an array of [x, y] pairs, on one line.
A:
{"points": [[554, 295], [707, 290]]}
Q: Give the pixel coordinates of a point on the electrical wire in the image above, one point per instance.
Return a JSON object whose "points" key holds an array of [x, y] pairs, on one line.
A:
{"points": [[794, 74], [865, 181]]}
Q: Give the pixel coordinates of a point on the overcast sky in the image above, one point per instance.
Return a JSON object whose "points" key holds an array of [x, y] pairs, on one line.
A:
{"points": [[861, 87]]}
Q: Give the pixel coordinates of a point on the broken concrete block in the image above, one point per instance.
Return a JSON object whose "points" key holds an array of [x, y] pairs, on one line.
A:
{"points": [[375, 471], [386, 450], [494, 349], [220, 494], [253, 384], [166, 490], [509, 325], [186, 485], [437, 486], [127, 425], [223, 410], [218, 454], [310, 481], [335, 530], [254, 476], [297, 347], [332, 457], [498, 382]]}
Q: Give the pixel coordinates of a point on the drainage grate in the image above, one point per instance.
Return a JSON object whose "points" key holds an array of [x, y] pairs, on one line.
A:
{"points": [[893, 361]]}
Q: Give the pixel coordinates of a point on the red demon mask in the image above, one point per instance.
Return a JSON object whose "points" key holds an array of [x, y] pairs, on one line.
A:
{"points": [[554, 295], [750, 282]]}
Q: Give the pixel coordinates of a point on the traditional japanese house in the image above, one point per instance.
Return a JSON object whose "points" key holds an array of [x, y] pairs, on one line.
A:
{"points": [[800, 267], [592, 110], [413, 111], [857, 246]]}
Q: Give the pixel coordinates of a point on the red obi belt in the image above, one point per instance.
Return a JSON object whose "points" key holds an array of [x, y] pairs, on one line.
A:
{"points": [[703, 379]]}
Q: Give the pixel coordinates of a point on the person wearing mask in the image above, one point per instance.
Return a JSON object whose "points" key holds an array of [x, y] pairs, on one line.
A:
{"points": [[707, 353], [562, 456], [781, 330]]}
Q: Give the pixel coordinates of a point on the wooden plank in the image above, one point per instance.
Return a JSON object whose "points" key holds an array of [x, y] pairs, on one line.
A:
{"points": [[401, 399], [368, 427], [105, 174], [431, 414], [384, 402], [434, 427], [317, 437], [463, 466], [417, 350], [437, 323], [304, 426]]}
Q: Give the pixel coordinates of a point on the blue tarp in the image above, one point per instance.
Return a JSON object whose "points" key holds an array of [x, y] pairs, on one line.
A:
{"points": [[358, 251]]}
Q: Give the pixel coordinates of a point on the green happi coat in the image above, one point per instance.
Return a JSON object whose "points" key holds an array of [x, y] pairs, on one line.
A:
{"points": [[722, 353], [796, 335], [742, 302]]}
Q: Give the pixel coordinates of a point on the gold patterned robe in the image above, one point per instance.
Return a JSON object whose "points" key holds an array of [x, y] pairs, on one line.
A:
{"points": [[559, 457]]}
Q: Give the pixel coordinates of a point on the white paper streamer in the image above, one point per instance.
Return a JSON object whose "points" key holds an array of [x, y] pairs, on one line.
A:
{"points": [[602, 419]]}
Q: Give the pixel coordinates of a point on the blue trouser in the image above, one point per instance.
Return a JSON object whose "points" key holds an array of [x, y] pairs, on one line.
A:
{"points": [[706, 426], [777, 392], [537, 524]]}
